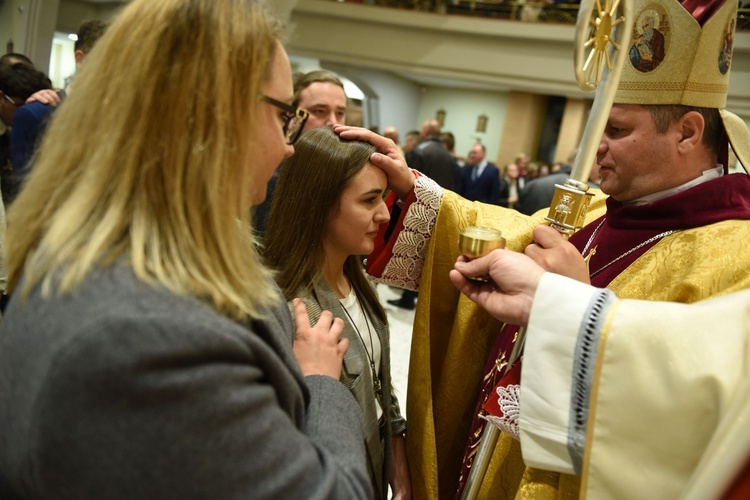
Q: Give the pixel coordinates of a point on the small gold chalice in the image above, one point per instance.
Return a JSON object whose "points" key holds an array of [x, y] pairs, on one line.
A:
{"points": [[475, 242]]}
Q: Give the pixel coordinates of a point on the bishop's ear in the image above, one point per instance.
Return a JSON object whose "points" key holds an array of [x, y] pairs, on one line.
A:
{"points": [[691, 126]]}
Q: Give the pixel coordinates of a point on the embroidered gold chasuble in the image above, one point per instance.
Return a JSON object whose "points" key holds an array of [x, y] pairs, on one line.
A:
{"points": [[453, 338], [451, 341]]}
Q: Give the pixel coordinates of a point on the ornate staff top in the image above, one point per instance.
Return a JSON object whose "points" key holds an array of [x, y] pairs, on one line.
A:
{"points": [[601, 33]]}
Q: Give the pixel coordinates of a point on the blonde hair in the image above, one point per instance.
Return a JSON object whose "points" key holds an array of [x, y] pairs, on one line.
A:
{"points": [[150, 158]]}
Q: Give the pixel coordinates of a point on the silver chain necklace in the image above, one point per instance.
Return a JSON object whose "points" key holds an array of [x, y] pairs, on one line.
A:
{"points": [[641, 245]]}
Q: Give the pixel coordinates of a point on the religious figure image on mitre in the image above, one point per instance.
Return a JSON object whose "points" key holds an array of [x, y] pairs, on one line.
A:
{"points": [[648, 47], [725, 56]]}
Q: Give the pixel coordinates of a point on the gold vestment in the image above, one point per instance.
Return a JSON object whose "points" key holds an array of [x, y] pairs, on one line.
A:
{"points": [[452, 338]]}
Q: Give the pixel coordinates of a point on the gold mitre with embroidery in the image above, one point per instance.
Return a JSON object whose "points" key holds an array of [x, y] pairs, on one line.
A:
{"points": [[673, 60], [681, 53]]}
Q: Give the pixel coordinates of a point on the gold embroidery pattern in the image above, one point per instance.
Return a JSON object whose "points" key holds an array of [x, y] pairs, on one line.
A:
{"points": [[674, 86]]}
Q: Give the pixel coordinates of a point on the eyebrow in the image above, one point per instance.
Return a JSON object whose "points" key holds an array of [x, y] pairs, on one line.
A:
{"points": [[324, 105], [372, 191], [285, 100]]}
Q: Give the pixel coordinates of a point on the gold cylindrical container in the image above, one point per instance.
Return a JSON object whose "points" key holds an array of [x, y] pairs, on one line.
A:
{"points": [[475, 242]]}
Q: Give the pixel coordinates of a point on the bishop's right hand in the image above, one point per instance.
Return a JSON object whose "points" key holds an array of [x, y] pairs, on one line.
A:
{"points": [[509, 296], [388, 158]]}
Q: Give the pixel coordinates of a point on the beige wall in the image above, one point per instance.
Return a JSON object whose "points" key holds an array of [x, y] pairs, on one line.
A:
{"points": [[462, 109], [9, 25], [29, 25], [571, 128], [283, 8], [523, 123], [73, 12], [499, 55]]}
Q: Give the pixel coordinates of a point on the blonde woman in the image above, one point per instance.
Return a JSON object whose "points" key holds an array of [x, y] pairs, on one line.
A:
{"points": [[146, 353], [328, 208]]}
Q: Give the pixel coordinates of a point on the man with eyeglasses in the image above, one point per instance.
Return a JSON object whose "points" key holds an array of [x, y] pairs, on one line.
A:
{"points": [[18, 81], [320, 94], [31, 121]]}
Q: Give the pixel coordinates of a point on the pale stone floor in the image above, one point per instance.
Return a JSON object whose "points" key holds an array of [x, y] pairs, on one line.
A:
{"points": [[400, 322]]}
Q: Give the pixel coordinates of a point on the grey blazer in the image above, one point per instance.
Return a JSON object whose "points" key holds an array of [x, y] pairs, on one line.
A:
{"points": [[357, 376], [124, 390]]}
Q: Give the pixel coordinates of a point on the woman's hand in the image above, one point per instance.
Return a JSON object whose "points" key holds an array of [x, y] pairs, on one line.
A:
{"points": [[319, 349], [388, 158], [400, 479]]}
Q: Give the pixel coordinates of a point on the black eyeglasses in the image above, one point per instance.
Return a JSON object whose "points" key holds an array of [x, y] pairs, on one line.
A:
{"points": [[10, 100], [294, 119]]}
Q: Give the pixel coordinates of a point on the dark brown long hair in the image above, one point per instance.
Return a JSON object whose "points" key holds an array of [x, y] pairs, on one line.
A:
{"points": [[307, 193]]}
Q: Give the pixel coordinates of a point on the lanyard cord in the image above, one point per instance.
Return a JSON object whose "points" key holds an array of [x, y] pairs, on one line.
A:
{"points": [[371, 358]]}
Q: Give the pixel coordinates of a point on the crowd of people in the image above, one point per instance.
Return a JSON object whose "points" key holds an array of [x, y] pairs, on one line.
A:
{"points": [[478, 179], [156, 345]]}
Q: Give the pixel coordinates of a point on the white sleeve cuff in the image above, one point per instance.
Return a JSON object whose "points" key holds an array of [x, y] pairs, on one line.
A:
{"points": [[404, 269]]}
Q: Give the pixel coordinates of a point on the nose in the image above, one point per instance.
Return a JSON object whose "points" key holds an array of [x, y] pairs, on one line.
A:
{"points": [[602, 149], [288, 151], [382, 214], [333, 119], [602, 145]]}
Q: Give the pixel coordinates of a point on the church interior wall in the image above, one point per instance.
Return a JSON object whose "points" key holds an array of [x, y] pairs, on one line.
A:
{"points": [[399, 53], [523, 124], [397, 101], [463, 107], [6, 23]]}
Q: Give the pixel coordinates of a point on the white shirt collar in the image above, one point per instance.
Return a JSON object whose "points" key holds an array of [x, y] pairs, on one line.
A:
{"points": [[481, 166], [707, 175]]}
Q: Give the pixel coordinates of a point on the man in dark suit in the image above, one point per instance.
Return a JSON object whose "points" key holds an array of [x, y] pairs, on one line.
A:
{"points": [[435, 161], [538, 194], [480, 180]]}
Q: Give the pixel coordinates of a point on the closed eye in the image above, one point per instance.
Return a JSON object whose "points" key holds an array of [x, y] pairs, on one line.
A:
{"points": [[613, 131]]}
